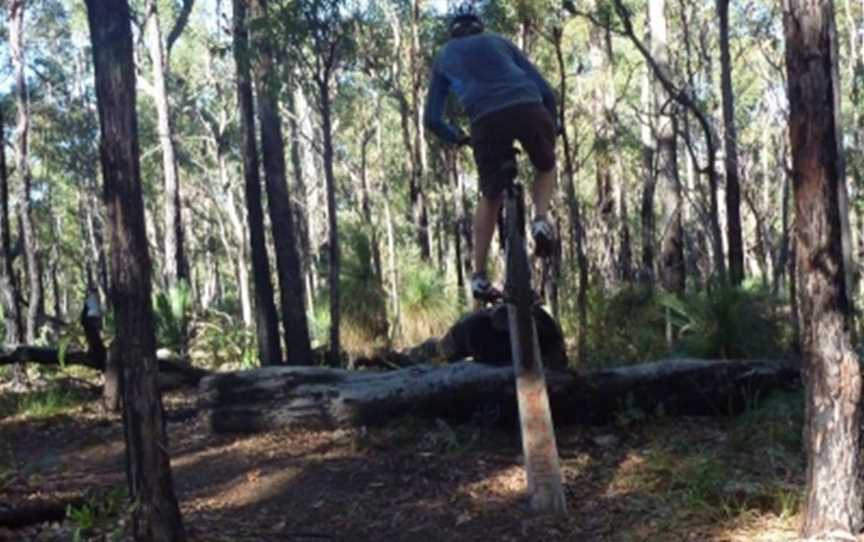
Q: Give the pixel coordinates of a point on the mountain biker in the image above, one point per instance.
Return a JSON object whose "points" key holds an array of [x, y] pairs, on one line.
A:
{"points": [[506, 99]]}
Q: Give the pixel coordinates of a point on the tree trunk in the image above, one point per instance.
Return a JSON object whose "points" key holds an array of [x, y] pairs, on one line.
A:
{"points": [[266, 319], [28, 231], [176, 268], [293, 305], [300, 215], [156, 515], [417, 214], [625, 250], [783, 246], [332, 219], [603, 100], [420, 198], [394, 270], [220, 143], [366, 207], [240, 261], [91, 321], [831, 368], [684, 98], [672, 273], [730, 143], [577, 232], [8, 294], [314, 397], [649, 183]]}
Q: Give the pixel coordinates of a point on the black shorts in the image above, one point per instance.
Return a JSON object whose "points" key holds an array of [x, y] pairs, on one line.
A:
{"points": [[492, 138]]}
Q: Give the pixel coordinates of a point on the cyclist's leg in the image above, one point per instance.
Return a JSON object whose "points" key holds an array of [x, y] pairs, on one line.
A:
{"points": [[492, 145], [536, 133], [543, 190], [485, 219]]}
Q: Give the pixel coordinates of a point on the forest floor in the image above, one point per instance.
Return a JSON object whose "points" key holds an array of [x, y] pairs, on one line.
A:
{"points": [[664, 479]]}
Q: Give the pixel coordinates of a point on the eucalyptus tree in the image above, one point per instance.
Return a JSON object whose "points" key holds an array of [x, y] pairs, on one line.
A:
{"points": [[577, 230], [22, 168], [266, 319], [175, 265], [831, 368], [672, 273], [730, 144], [8, 292], [404, 82], [686, 99], [295, 325], [156, 515], [318, 36]]}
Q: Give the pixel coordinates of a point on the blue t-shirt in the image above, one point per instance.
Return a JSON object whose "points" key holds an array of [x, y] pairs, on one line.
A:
{"points": [[486, 72]]}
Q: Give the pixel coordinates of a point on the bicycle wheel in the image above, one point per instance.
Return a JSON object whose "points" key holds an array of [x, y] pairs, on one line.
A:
{"points": [[542, 465], [518, 282]]}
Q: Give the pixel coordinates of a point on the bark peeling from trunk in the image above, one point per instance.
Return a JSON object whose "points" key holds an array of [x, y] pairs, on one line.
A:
{"points": [[831, 369]]}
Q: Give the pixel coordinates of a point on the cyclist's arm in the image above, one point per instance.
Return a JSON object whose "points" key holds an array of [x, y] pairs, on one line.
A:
{"points": [[433, 116], [545, 88]]}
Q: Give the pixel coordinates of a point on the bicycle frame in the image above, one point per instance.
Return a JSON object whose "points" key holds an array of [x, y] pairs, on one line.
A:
{"points": [[539, 448]]}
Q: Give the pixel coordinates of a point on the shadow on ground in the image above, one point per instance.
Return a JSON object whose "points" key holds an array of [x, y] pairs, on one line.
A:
{"points": [[413, 480]]}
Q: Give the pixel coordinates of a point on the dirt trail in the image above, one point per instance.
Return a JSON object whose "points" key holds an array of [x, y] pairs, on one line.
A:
{"points": [[412, 481]]}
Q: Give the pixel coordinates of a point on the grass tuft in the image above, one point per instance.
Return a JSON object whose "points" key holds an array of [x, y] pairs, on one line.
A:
{"points": [[52, 401]]}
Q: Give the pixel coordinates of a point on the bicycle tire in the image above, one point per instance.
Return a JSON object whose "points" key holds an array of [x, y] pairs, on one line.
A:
{"points": [[542, 464], [518, 281]]}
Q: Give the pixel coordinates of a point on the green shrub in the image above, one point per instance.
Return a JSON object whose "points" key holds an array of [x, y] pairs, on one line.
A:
{"points": [[220, 340], [171, 311], [428, 305], [99, 517], [363, 300], [773, 425], [727, 322], [625, 327], [319, 325], [51, 401]]}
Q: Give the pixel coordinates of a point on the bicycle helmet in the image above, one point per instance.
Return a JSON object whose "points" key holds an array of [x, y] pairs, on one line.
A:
{"points": [[465, 22]]}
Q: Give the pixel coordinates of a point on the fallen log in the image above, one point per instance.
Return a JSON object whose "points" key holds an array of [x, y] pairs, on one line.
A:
{"points": [[315, 397], [175, 372], [37, 512]]}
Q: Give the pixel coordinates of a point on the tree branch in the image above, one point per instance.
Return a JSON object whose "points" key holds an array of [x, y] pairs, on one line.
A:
{"points": [[179, 25]]}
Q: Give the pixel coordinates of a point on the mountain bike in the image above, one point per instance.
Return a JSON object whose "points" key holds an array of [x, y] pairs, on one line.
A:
{"points": [[539, 448]]}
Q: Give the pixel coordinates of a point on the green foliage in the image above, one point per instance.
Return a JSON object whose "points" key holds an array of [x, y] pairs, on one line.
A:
{"points": [[171, 310], [364, 302], [716, 480], [98, 518], [773, 425], [428, 306], [726, 322], [625, 327], [54, 400], [221, 341], [729, 323], [319, 324]]}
